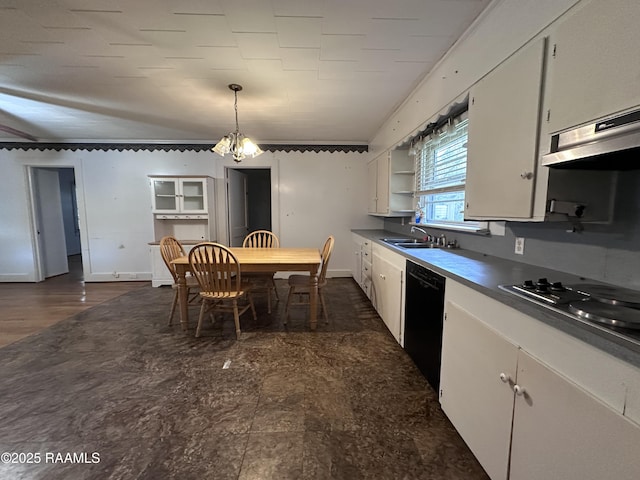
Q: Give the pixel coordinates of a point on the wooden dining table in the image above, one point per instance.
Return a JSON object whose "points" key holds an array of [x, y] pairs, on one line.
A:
{"points": [[257, 260]]}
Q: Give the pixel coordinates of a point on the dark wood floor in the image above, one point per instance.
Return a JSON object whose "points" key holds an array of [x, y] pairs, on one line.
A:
{"points": [[27, 308]]}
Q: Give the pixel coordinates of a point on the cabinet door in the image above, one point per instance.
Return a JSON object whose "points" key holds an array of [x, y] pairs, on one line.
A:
{"points": [[382, 188], [502, 148], [193, 195], [165, 195], [472, 394], [356, 267], [388, 284], [594, 71], [160, 275], [560, 431], [372, 183]]}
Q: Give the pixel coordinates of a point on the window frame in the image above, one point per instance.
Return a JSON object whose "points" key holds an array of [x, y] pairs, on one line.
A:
{"points": [[448, 176]]}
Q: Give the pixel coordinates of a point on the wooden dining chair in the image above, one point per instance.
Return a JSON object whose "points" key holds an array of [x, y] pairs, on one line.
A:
{"points": [[262, 281], [170, 249], [221, 286], [300, 285]]}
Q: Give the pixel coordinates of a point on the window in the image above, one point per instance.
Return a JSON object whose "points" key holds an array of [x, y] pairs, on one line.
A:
{"points": [[441, 171]]}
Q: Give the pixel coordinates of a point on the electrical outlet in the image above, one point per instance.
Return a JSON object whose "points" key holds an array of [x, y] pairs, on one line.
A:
{"points": [[519, 246]]}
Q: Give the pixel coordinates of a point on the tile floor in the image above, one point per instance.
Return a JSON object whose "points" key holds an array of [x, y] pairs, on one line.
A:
{"points": [[135, 399]]}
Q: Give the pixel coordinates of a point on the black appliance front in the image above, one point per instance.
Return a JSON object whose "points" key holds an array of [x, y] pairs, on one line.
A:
{"points": [[424, 309]]}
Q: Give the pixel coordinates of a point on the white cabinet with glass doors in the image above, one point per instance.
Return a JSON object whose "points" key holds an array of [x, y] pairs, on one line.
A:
{"points": [[180, 195], [183, 207]]}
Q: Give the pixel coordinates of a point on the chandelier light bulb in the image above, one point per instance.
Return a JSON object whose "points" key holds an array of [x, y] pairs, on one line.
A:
{"points": [[236, 143]]}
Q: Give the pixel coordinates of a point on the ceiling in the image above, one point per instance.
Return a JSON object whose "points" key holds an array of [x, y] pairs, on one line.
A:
{"points": [[313, 71]]}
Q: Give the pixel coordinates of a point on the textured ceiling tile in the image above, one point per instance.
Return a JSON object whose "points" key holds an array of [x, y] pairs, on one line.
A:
{"points": [[258, 45], [300, 58], [299, 32], [296, 8], [250, 16], [341, 47]]}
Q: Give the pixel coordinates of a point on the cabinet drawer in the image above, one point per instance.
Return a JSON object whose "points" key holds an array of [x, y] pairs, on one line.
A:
{"points": [[367, 250], [366, 269]]}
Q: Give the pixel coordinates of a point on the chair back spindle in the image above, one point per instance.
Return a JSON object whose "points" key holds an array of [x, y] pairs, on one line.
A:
{"points": [[170, 249], [261, 239], [215, 268]]}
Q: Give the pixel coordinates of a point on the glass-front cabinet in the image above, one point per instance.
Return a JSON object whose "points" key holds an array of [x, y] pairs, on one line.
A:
{"points": [[179, 195], [182, 207]]}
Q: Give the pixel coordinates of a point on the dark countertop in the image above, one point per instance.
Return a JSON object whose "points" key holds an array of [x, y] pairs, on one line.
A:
{"points": [[484, 273]]}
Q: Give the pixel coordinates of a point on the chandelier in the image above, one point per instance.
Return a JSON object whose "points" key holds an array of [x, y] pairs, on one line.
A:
{"points": [[236, 143]]}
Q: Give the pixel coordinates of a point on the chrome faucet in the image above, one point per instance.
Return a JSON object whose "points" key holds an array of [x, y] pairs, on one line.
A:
{"points": [[414, 228]]}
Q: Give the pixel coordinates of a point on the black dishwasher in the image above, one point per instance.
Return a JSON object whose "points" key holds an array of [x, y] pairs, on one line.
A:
{"points": [[424, 309]]}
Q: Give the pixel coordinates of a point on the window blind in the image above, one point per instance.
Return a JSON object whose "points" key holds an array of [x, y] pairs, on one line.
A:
{"points": [[441, 162]]}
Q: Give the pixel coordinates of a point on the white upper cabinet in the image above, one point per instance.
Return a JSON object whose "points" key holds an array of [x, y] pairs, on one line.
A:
{"points": [[391, 180], [180, 195], [594, 69], [502, 149]]}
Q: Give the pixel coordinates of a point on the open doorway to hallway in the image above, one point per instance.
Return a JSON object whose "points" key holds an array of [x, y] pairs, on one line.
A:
{"points": [[56, 227], [248, 201]]}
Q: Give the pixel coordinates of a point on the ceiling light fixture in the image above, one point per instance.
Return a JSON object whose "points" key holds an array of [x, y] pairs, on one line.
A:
{"points": [[236, 143]]}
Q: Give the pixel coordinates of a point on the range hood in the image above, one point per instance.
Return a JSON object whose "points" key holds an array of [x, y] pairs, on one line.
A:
{"points": [[608, 144]]}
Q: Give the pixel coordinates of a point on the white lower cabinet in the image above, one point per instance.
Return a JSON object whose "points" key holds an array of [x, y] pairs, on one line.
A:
{"points": [[523, 420], [361, 267], [387, 291], [472, 394], [560, 431], [160, 274]]}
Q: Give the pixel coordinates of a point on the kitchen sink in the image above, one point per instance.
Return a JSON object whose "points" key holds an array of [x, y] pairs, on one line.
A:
{"points": [[409, 243], [399, 240], [416, 245]]}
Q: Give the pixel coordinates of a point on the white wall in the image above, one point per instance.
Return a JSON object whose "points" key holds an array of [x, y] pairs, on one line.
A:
{"points": [[316, 194]]}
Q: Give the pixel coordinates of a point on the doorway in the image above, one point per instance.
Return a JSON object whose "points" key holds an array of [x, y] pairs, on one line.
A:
{"points": [[248, 202], [56, 228]]}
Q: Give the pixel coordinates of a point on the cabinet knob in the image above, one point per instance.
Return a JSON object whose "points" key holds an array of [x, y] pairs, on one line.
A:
{"points": [[505, 378], [382, 276], [526, 175], [519, 390]]}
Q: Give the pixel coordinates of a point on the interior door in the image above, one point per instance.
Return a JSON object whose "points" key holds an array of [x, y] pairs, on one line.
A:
{"points": [[237, 206], [49, 223]]}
